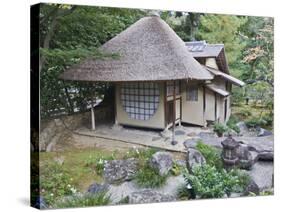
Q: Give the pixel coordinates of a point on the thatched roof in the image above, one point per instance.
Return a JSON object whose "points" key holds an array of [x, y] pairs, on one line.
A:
{"points": [[149, 50], [201, 49]]}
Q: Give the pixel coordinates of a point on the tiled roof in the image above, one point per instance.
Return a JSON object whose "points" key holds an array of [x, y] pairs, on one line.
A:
{"points": [[203, 49]]}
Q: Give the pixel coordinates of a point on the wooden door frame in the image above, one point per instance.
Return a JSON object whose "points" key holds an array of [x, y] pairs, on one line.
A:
{"points": [[178, 97]]}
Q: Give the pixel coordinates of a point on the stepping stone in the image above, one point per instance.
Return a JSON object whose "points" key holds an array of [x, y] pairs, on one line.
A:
{"points": [[179, 132]]}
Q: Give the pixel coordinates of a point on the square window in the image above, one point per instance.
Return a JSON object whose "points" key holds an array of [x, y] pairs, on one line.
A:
{"points": [[192, 93]]}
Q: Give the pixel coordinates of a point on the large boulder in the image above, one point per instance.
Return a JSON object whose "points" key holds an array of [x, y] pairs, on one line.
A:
{"points": [[149, 196], [246, 157], [263, 132], [207, 135], [98, 188], [262, 174], [252, 187], [266, 155], [194, 158], [162, 162], [117, 171]]}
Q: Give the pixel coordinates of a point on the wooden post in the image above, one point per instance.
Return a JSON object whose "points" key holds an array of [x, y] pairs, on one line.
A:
{"points": [[93, 117], [174, 142], [93, 111]]}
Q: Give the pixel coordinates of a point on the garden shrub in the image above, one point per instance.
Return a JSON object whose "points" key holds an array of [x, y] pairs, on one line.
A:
{"points": [[83, 200], [231, 123], [149, 177], [244, 113], [209, 182], [55, 182], [220, 129], [268, 118], [243, 177], [256, 122], [182, 192], [211, 154]]}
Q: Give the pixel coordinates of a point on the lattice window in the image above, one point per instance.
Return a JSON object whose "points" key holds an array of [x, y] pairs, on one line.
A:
{"points": [[140, 100], [192, 93], [170, 88]]}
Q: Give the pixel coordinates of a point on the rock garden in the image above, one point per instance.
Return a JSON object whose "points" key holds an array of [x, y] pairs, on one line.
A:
{"points": [[221, 161], [147, 175]]}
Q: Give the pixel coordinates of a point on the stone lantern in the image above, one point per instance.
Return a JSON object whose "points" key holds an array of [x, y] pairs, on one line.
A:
{"points": [[229, 155]]}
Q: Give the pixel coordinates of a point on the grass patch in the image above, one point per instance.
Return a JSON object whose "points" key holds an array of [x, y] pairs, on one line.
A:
{"points": [[55, 182], [149, 178], [142, 155], [77, 172], [83, 201]]}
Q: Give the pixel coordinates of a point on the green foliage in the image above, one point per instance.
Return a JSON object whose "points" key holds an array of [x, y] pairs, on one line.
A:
{"points": [[74, 33], [176, 169], [211, 154], [143, 155], [182, 192], [245, 112], [220, 128], [99, 162], [266, 193], [223, 29], [55, 182], [146, 176], [186, 26], [231, 123], [244, 180], [256, 122], [85, 200], [149, 178], [209, 182], [268, 118]]}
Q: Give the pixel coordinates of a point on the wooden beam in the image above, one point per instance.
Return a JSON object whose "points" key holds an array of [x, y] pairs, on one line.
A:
{"points": [[174, 113], [93, 117]]}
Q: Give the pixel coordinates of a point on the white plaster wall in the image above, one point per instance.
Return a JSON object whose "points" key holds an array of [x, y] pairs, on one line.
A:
{"points": [[192, 111], [211, 62], [210, 105]]}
